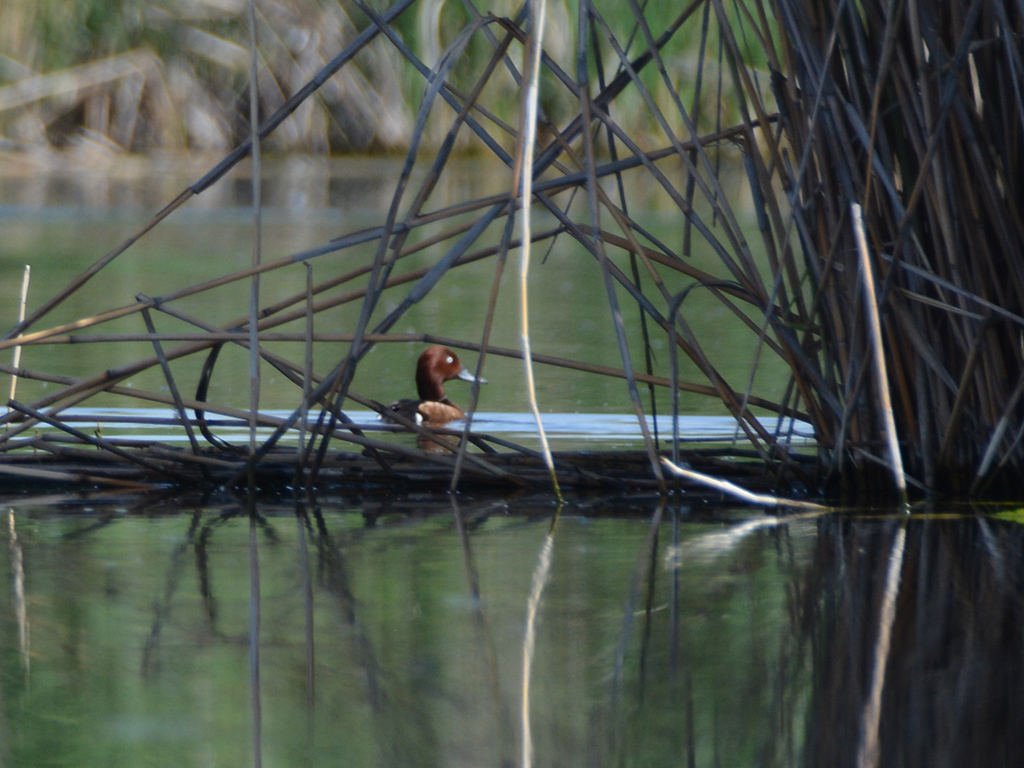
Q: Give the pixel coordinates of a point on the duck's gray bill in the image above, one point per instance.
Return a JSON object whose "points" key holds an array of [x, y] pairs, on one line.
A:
{"points": [[467, 375]]}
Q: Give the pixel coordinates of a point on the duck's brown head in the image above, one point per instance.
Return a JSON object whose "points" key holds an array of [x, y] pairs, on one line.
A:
{"points": [[436, 366]]}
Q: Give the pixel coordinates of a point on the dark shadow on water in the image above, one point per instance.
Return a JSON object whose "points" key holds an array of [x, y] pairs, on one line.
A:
{"points": [[954, 682]]}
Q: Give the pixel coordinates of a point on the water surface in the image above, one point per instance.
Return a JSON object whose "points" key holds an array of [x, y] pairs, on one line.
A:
{"points": [[62, 221], [565, 431], [391, 631]]}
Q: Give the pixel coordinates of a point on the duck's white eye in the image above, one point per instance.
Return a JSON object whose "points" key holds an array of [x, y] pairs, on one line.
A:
{"points": [[450, 360]]}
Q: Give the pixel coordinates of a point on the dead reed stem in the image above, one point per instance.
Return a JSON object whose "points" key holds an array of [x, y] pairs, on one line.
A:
{"points": [[257, 229], [881, 373], [738, 493], [171, 383], [16, 363], [531, 95]]}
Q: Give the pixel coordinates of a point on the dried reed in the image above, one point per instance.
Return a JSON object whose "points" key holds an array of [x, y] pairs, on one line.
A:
{"points": [[913, 112]]}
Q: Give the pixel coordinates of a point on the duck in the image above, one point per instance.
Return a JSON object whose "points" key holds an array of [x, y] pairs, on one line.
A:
{"points": [[435, 366]]}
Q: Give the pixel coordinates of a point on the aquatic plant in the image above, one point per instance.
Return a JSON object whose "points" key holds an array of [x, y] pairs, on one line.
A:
{"points": [[867, 135]]}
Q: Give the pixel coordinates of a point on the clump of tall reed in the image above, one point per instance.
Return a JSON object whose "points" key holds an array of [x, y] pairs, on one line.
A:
{"points": [[916, 113]]}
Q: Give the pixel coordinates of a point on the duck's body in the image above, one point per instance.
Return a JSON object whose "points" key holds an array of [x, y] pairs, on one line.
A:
{"points": [[430, 412], [435, 366]]}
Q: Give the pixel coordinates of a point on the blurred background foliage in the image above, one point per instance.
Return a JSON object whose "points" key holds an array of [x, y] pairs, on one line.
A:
{"points": [[145, 75]]}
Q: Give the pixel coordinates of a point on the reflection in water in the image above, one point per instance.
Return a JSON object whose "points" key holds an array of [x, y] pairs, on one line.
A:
{"points": [[391, 632], [254, 638], [953, 676], [18, 584], [868, 749], [539, 581]]}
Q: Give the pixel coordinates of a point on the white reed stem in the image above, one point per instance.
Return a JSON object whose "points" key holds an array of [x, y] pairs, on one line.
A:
{"points": [[881, 372], [742, 494], [21, 317], [529, 128]]}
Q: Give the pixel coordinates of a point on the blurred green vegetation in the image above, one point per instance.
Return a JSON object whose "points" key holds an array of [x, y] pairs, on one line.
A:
{"points": [[185, 85], [73, 33]]}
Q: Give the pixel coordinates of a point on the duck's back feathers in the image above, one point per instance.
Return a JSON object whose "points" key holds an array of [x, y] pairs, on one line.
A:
{"points": [[432, 412], [407, 409]]}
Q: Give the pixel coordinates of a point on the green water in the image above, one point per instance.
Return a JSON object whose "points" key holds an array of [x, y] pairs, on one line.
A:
{"points": [[410, 653], [392, 632], [86, 214]]}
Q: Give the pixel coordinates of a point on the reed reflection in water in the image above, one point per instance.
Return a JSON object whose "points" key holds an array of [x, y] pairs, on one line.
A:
{"points": [[392, 631]]}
